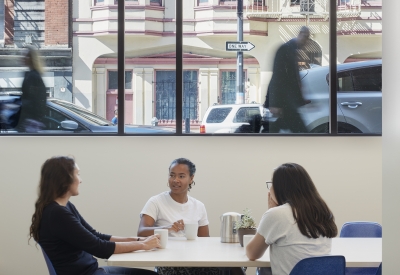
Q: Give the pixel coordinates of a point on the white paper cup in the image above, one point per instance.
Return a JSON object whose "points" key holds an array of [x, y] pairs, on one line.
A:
{"points": [[163, 236], [191, 230], [246, 240]]}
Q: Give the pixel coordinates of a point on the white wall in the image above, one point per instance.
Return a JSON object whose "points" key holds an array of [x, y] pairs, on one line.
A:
{"points": [[391, 139], [121, 173]]}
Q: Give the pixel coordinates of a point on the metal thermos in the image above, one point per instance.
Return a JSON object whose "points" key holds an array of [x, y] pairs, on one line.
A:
{"points": [[228, 232]]}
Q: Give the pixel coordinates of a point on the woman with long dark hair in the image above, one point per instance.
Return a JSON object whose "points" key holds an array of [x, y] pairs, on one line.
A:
{"points": [[68, 240], [298, 223]]}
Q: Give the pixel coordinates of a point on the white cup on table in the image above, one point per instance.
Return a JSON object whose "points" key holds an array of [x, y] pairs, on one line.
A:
{"points": [[191, 230], [163, 236], [246, 240]]}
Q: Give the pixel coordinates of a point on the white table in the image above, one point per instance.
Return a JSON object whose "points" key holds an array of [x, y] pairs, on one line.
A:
{"points": [[207, 252]]}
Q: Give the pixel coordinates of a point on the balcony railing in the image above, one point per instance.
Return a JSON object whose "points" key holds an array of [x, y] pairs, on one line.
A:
{"points": [[280, 9]]}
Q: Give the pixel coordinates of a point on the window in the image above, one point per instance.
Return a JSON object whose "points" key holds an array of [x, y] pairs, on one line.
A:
{"points": [[155, 2], [247, 114], [218, 115], [113, 80], [31, 26], [345, 82], [165, 88], [227, 2], [368, 79], [128, 2], [53, 120], [176, 66], [228, 87]]}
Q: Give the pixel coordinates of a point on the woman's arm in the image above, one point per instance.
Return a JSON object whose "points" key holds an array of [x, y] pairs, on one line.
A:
{"points": [[203, 231], [256, 247], [146, 226], [129, 246], [126, 239]]}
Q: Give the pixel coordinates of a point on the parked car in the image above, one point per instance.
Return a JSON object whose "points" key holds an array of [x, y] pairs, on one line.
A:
{"points": [[231, 118], [359, 103], [359, 97], [66, 117]]}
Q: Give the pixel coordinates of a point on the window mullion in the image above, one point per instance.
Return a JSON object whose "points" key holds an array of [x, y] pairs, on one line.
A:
{"points": [[333, 124], [121, 66], [179, 65]]}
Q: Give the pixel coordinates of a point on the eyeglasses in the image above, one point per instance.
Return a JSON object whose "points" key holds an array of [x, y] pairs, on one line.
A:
{"points": [[269, 184]]}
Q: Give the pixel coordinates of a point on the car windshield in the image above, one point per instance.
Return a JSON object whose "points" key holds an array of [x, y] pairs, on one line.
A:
{"points": [[83, 113]]}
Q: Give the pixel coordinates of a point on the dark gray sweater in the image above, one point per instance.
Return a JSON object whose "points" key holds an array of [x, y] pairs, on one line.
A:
{"points": [[70, 242]]}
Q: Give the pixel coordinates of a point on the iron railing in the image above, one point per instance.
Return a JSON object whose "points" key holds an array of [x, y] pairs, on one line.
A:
{"points": [[300, 8]]}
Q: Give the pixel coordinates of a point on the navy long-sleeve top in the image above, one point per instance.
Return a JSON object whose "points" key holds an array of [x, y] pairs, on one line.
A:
{"points": [[70, 242]]}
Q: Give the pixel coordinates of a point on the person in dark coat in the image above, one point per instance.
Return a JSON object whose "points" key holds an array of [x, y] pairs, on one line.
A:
{"points": [[284, 95], [33, 99]]}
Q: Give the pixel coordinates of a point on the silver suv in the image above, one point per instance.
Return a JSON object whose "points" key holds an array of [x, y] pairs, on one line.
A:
{"points": [[359, 97], [359, 103]]}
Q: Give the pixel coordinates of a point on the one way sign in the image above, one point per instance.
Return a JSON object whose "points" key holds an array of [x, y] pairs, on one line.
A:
{"points": [[239, 46]]}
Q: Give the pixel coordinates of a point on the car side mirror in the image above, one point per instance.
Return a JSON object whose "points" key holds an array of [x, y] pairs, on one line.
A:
{"points": [[69, 125]]}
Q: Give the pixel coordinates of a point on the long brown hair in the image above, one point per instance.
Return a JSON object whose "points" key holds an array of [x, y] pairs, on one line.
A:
{"points": [[293, 185], [56, 176]]}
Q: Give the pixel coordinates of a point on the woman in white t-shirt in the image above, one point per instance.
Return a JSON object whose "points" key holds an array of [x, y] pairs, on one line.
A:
{"points": [[297, 225], [172, 209]]}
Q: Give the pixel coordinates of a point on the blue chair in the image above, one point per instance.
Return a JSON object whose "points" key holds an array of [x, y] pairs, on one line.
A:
{"points": [[326, 265], [49, 264], [379, 270], [361, 230]]}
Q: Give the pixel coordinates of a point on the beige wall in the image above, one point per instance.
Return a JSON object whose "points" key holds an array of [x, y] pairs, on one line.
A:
{"points": [[391, 139], [121, 173]]}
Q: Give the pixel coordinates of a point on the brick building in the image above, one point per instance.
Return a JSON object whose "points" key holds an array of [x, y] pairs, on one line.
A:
{"points": [[45, 25]]}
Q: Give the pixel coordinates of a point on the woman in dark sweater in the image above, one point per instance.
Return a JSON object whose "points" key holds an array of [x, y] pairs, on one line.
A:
{"points": [[68, 240]]}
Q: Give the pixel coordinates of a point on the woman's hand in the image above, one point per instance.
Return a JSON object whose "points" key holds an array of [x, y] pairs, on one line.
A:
{"points": [[151, 242], [177, 226], [271, 202], [141, 239]]}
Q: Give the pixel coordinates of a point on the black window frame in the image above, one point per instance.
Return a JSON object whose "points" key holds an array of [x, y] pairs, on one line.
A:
{"points": [[333, 121]]}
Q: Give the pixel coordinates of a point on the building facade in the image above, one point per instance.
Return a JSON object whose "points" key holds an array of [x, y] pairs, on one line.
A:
{"points": [[45, 25], [209, 70]]}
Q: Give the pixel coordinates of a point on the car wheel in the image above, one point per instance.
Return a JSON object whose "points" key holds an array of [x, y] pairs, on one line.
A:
{"points": [[343, 128]]}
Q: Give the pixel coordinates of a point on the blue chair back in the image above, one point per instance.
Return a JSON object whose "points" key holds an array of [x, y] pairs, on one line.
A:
{"points": [[361, 230], [327, 265], [49, 264], [379, 271]]}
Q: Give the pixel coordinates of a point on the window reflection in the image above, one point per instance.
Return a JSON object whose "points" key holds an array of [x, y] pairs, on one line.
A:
{"points": [[209, 70]]}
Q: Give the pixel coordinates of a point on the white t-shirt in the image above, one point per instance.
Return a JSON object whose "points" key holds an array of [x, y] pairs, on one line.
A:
{"points": [[165, 211], [287, 245]]}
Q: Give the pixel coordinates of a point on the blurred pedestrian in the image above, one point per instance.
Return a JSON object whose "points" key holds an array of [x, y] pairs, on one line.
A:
{"points": [[33, 99], [284, 95], [114, 120]]}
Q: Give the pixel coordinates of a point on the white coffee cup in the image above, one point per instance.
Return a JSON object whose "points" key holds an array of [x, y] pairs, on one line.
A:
{"points": [[191, 230], [246, 240], [163, 236]]}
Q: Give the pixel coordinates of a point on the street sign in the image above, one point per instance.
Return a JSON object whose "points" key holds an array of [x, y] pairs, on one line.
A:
{"points": [[239, 46]]}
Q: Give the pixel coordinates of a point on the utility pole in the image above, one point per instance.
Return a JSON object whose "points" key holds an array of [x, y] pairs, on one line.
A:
{"points": [[239, 62]]}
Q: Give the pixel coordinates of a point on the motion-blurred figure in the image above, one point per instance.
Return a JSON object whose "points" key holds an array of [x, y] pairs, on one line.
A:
{"points": [[33, 99], [284, 94], [114, 120]]}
